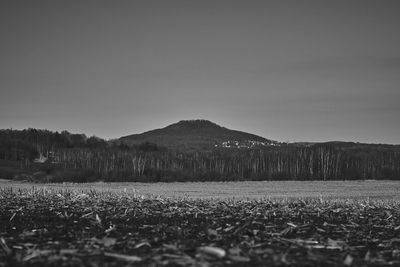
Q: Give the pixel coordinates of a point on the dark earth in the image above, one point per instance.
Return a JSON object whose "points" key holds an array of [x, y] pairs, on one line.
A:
{"points": [[67, 228]]}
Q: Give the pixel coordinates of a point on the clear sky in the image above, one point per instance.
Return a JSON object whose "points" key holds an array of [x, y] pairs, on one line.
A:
{"points": [[285, 70]]}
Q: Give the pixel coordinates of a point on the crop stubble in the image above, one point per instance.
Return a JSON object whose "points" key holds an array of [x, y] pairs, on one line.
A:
{"points": [[69, 228]]}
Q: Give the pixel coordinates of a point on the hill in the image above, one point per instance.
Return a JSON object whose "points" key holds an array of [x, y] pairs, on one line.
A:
{"points": [[197, 135], [45, 156]]}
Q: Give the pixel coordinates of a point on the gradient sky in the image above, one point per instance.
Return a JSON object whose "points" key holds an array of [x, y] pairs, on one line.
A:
{"points": [[285, 70]]}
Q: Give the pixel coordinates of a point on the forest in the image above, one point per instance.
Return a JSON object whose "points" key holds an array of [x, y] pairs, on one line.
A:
{"points": [[46, 156]]}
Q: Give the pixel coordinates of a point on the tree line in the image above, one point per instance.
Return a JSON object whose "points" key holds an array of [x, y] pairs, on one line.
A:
{"points": [[74, 158]]}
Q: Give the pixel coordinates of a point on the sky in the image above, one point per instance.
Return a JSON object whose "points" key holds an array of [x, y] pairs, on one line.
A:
{"points": [[285, 70]]}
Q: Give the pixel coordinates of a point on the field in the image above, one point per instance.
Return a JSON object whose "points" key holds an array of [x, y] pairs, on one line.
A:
{"points": [[226, 190], [200, 224]]}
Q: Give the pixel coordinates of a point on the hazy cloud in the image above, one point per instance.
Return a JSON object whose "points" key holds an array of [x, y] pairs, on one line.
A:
{"points": [[306, 70]]}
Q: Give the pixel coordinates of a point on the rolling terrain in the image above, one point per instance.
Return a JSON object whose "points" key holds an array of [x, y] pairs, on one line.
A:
{"points": [[197, 135], [194, 150]]}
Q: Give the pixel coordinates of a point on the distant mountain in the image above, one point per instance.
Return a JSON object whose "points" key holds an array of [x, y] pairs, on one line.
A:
{"points": [[197, 134]]}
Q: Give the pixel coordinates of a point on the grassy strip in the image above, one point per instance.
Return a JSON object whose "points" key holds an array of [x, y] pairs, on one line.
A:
{"points": [[69, 228]]}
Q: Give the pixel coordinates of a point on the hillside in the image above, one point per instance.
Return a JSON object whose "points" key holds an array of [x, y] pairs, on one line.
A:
{"points": [[45, 156], [195, 135]]}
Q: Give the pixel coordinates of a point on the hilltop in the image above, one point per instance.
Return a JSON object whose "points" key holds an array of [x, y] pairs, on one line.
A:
{"points": [[197, 134], [196, 150]]}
